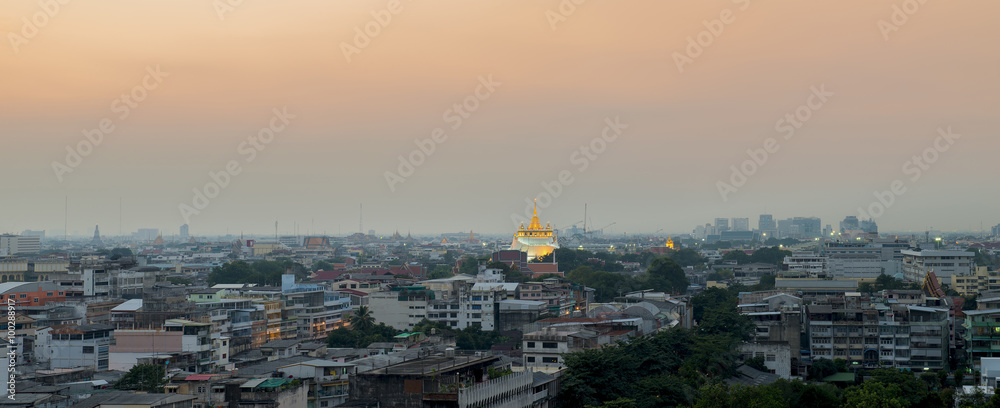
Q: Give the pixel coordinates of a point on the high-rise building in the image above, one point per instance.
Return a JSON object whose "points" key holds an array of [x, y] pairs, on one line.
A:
{"points": [[721, 224], [146, 234], [849, 223], [809, 227], [869, 226], [768, 228], [184, 232], [741, 224]]}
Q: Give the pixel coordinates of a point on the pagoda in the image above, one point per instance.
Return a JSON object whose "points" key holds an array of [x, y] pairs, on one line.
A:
{"points": [[536, 240]]}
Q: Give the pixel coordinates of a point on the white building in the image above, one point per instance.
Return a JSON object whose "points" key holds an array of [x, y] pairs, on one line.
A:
{"points": [[70, 347], [544, 349], [944, 264], [19, 244], [804, 264]]}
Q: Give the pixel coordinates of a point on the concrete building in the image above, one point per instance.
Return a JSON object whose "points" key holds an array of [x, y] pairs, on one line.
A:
{"points": [[879, 333], [741, 224], [19, 244], [981, 335], [544, 349], [778, 331], [75, 346], [944, 264], [804, 265], [328, 381], [445, 380], [175, 338], [981, 280]]}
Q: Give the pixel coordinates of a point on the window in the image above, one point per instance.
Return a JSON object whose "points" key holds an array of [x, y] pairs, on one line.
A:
{"points": [[49, 294], [531, 344], [769, 357], [201, 390], [23, 296], [530, 359], [549, 345], [550, 359], [88, 349]]}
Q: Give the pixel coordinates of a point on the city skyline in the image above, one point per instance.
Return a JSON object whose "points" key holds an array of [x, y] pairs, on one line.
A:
{"points": [[542, 97]]}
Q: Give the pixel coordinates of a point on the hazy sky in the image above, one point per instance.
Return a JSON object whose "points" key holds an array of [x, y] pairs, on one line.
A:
{"points": [[352, 120]]}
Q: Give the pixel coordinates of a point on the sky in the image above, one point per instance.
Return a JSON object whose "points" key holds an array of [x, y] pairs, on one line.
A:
{"points": [[328, 113]]}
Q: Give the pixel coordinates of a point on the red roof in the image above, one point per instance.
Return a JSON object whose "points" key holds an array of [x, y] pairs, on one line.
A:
{"points": [[198, 377], [543, 267]]}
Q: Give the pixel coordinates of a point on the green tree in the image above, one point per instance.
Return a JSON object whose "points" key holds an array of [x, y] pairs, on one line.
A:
{"points": [[766, 282], [770, 255], [666, 275], [822, 368], [322, 265], [873, 394], [738, 256], [362, 320], [440, 272], [143, 377], [118, 253], [757, 363]]}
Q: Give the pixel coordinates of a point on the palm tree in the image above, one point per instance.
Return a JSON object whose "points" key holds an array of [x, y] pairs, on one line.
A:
{"points": [[362, 320]]}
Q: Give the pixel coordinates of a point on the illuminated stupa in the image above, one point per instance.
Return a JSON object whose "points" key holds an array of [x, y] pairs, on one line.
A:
{"points": [[535, 240]]}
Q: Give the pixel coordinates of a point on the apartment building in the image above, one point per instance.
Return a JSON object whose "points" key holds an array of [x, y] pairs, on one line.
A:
{"points": [[804, 265], [945, 264], [778, 329], [980, 280], [75, 346], [874, 332]]}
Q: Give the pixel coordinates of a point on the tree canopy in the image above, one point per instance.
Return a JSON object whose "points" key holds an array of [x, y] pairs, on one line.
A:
{"points": [[259, 272], [143, 377]]}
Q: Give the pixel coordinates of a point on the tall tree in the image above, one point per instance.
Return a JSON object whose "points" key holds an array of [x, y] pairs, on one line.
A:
{"points": [[362, 320], [664, 274]]}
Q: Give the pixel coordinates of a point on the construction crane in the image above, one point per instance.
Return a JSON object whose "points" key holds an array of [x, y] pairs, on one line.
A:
{"points": [[601, 229]]}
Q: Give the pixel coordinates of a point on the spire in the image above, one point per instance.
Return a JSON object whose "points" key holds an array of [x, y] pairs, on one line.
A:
{"points": [[535, 223]]}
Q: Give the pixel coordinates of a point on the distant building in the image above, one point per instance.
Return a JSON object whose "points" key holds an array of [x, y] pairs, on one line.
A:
{"points": [[535, 240], [944, 264], [768, 228], [849, 223], [721, 224], [19, 244], [184, 233], [741, 224]]}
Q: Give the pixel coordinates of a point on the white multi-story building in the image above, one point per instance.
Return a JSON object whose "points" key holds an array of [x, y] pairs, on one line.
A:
{"points": [[544, 349], [401, 309], [944, 264], [19, 244], [80, 346], [804, 264]]}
